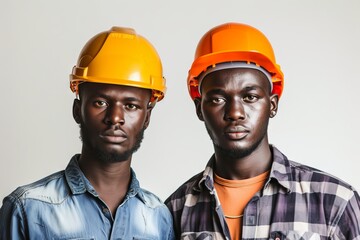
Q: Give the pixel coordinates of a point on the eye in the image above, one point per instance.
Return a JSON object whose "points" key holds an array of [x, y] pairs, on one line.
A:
{"points": [[100, 103], [131, 106], [218, 100], [251, 98]]}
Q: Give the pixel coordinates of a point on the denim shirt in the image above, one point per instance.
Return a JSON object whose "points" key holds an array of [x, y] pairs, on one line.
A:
{"points": [[64, 205]]}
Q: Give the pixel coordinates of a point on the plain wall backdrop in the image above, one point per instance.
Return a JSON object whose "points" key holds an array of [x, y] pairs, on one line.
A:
{"points": [[317, 44]]}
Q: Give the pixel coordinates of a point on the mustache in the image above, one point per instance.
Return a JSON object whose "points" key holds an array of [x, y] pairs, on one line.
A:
{"points": [[114, 132]]}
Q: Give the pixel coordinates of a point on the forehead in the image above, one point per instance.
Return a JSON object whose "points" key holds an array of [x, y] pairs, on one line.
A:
{"points": [[236, 79], [88, 89]]}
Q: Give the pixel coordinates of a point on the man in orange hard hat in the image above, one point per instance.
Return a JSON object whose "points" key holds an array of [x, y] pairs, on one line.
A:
{"points": [[117, 79], [249, 189]]}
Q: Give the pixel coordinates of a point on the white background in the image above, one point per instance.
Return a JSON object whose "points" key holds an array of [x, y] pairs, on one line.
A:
{"points": [[316, 42]]}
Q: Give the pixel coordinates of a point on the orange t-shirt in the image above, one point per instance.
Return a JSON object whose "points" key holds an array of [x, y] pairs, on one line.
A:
{"points": [[234, 196]]}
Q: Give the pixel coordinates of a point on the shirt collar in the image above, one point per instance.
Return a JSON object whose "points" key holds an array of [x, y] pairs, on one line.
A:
{"points": [[280, 172], [207, 179], [79, 184], [76, 179]]}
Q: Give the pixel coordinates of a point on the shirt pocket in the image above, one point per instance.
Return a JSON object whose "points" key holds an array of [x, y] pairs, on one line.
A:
{"points": [[294, 235]]}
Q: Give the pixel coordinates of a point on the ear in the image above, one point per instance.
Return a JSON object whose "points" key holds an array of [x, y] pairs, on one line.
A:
{"points": [[147, 117], [77, 111], [274, 101], [197, 102]]}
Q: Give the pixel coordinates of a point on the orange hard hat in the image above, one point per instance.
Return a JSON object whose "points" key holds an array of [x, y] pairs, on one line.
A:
{"points": [[123, 57], [231, 43]]}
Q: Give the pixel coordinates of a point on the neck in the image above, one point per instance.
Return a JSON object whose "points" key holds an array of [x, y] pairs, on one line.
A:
{"points": [[103, 174], [243, 167], [110, 180]]}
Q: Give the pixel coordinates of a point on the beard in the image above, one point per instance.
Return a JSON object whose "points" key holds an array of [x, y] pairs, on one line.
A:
{"points": [[233, 153], [111, 157]]}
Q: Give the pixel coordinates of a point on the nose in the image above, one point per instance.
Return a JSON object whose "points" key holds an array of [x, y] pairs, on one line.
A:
{"points": [[234, 110], [115, 115]]}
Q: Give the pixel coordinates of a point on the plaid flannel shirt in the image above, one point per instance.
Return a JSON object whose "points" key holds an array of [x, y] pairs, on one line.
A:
{"points": [[296, 202]]}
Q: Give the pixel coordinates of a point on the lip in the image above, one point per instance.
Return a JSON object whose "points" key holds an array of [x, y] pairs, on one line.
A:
{"points": [[114, 136], [236, 132]]}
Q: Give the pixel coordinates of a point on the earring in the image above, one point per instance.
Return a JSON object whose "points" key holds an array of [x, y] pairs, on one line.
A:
{"points": [[272, 113]]}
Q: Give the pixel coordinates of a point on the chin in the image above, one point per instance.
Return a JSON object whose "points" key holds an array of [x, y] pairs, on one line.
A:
{"points": [[236, 150], [113, 157]]}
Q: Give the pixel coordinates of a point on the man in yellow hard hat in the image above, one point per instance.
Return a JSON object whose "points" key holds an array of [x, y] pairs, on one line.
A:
{"points": [[117, 80], [249, 189]]}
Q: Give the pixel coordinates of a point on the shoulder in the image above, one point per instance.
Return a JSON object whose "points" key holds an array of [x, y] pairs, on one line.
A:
{"points": [[25, 199], [48, 189], [151, 199], [301, 177], [319, 181], [155, 205], [301, 172]]}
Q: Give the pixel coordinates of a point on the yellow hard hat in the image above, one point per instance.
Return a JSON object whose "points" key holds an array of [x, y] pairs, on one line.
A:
{"points": [[122, 57], [234, 43]]}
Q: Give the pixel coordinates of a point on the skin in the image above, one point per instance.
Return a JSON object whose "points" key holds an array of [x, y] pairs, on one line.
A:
{"points": [[112, 120], [235, 106]]}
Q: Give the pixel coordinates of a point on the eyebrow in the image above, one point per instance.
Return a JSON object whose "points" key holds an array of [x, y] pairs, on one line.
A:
{"points": [[221, 91], [125, 98], [250, 88], [215, 91], [132, 99]]}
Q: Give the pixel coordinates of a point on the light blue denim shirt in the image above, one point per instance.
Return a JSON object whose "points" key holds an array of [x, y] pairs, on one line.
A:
{"points": [[64, 205]]}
